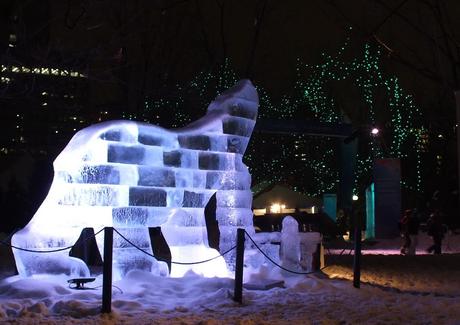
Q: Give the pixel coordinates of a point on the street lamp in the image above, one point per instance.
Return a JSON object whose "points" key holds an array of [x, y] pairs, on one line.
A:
{"points": [[375, 131]]}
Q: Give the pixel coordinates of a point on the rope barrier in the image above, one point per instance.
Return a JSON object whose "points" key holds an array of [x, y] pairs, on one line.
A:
{"points": [[166, 260], [281, 267], [52, 250], [159, 257]]}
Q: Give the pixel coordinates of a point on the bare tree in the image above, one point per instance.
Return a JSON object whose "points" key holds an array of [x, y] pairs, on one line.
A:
{"points": [[420, 36]]}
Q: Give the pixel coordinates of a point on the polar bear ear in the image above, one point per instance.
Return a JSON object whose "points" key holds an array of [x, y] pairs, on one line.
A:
{"points": [[241, 101]]}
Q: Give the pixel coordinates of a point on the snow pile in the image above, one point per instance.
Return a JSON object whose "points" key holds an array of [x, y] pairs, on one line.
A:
{"points": [[395, 289], [143, 298]]}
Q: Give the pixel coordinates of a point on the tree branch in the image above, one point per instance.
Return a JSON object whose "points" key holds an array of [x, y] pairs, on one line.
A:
{"points": [[257, 24]]}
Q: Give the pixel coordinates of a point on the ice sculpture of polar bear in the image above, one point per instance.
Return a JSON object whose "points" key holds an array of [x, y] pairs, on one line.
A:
{"points": [[133, 175]]}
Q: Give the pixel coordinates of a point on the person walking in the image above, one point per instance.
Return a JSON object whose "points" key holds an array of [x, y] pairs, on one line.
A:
{"points": [[436, 231], [413, 226], [404, 231]]}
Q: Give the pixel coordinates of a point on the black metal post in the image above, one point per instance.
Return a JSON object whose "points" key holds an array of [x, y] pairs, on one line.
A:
{"points": [[238, 294], [357, 256], [107, 271], [457, 130]]}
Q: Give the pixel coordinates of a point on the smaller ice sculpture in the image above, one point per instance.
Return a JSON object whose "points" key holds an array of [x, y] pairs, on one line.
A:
{"points": [[132, 176], [290, 244]]}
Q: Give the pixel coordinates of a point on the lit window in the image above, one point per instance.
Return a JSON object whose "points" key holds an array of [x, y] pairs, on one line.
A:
{"points": [[275, 208]]}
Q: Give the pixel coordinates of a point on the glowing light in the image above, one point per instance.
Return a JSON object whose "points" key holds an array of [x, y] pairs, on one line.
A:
{"points": [[375, 131], [40, 70], [132, 175], [355, 197], [275, 208]]}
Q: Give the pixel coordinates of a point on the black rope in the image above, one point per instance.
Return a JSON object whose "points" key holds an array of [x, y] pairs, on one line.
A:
{"points": [[281, 267], [165, 260], [341, 253], [52, 250]]}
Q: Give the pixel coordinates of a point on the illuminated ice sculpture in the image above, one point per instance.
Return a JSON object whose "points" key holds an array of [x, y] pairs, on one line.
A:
{"points": [[132, 176]]}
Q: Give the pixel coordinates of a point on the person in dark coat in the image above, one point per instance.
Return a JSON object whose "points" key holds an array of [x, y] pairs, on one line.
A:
{"points": [[413, 225], [404, 230], [408, 227], [436, 231]]}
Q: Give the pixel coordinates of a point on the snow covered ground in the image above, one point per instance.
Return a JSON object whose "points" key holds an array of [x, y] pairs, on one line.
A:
{"points": [[395, 289]]}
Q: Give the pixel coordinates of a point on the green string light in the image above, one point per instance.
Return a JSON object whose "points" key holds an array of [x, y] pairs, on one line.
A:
{"points": [[309, 164]]}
